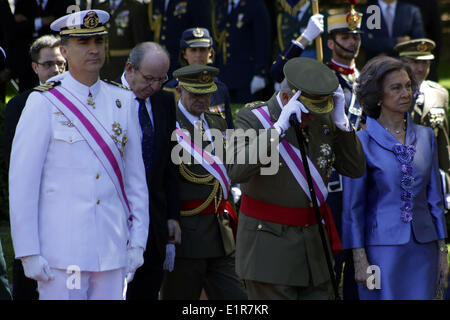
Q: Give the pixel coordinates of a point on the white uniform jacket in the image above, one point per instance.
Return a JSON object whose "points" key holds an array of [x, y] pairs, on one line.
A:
{"points": [[63, 205]]}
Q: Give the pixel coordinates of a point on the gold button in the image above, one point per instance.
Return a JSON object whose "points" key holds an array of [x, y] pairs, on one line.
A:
{"points": [[228, 24], [97, 176], [259, 226], [98, 201], [163, 37], [70, 139]]}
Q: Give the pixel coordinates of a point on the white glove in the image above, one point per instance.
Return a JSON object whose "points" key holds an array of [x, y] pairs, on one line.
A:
{"points": [[236, 192], [257, 84], [338, 114], [37, 268], [135, 260], [314, 27], [293, 106], [169, 262]]}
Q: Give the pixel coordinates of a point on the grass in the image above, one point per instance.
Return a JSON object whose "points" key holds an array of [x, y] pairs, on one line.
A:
{"points": [[7, 246]]}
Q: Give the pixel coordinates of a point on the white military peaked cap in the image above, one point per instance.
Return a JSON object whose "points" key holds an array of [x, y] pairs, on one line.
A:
{"points": [[86, 23]]}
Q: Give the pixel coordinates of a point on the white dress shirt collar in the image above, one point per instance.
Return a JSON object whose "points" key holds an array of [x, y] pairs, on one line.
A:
{"points": [[83, 90], [193, 119]]}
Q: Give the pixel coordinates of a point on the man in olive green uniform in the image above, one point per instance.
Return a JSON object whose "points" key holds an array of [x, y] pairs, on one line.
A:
{"points": [[205, 257], [279, 251], [431, 105], [127, 27]]}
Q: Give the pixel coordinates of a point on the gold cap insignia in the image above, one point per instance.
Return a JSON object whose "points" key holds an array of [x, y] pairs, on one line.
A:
{"points": [[422, 47], [90, 20], [353, 20], [197, 32], [205, 77]]}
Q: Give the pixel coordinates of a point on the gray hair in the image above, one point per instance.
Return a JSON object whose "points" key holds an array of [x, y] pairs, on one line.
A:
{"points": [[46, 41], [284, 87], [139, 51]]}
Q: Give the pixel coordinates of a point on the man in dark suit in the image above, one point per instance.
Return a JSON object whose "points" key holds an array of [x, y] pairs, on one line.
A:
{"points": [[169, 18], [47, 62], [145, 73], [399, 22], [32, 20]]}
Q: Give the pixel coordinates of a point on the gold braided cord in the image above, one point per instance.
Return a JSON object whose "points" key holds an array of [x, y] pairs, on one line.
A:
{"points": [[291, 10], [205, 204], [155, 26], [201, 179], [195, 178]]}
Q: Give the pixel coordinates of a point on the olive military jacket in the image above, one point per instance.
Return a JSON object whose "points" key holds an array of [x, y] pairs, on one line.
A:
{"points": [[275, 253], [206, 235]]}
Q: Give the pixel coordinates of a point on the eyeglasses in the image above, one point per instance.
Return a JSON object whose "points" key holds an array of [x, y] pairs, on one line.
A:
{"points": [[49, 64], [150, 80]]}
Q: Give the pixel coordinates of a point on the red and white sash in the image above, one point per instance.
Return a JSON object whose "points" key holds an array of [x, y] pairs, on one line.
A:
{"points": [[211, 163], [97, 137], [293, 159]]}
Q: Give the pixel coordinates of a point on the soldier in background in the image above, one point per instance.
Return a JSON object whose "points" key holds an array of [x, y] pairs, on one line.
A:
{"points": [[196, 47], [431, 105], [127, 27], [169, 18], [241, 30]]}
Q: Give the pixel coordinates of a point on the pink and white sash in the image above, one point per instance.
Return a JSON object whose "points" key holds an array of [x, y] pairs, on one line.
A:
{"points": [[293, 159], [97, 137], [211, 163]]}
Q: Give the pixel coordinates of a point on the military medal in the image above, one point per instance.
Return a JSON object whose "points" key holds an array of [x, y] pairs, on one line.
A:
{"points": [[90, 101], [326, 130]]}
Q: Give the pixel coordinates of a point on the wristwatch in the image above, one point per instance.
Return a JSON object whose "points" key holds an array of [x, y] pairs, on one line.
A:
{"points": [[443, 249]]}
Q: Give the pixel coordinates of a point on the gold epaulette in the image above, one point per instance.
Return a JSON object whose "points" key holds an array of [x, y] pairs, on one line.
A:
{"points": [[116, 84], [254, 104], [47, 86]]}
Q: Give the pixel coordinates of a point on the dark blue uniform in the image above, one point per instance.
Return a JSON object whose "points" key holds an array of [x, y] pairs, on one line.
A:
{"points": [[220, 100], [242, 45], [168, 25]]}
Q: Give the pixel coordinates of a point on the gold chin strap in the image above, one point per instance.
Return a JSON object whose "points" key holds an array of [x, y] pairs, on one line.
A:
{"points": [[202, 179]]}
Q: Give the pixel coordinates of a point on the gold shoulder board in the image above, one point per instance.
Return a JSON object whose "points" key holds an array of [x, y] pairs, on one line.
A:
{"points": [[254, 104], [116, 84], [47, 86]]}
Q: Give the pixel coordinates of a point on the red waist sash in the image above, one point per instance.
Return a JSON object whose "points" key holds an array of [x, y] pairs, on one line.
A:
{"points": [[210, 209], [291, 217]]}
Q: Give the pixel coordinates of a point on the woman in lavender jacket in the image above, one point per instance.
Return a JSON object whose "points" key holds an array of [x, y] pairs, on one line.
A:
{"points": [[393, 217]]}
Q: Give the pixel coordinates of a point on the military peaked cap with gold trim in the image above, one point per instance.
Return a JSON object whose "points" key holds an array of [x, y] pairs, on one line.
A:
{"points": [[417, 49], [47, 86], [316, 81], [198, 79], [86, 23], [196, 38]]}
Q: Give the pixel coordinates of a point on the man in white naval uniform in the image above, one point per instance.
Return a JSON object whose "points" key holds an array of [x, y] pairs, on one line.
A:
{"points": [[78, 194]]}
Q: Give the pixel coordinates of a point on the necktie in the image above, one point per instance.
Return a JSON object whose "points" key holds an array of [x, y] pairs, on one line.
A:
{"points": [[147, 135], [389, 19]]}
